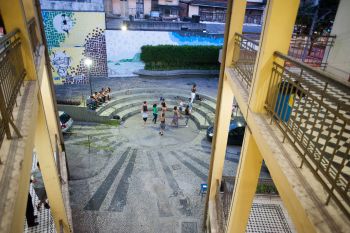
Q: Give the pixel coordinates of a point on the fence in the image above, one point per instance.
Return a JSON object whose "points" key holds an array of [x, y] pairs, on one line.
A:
{"points": [[311, 50], [12, 73], [265, 186], [248, 50], [315, 121]]}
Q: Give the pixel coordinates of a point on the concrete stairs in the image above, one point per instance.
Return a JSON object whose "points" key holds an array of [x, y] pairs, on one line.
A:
{"points": [[128, 102]]}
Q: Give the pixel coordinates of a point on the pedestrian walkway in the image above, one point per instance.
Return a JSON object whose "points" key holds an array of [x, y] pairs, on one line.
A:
{"points": [[45, 220]]}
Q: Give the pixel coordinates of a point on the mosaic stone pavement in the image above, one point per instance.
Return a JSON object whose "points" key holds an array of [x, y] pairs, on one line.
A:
{"points": [[138, 183], [44, 218]]}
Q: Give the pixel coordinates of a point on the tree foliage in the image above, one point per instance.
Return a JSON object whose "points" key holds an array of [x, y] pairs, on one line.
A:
{"points": [[321, 13]]}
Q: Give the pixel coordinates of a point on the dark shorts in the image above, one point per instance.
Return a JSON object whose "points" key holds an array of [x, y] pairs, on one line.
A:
{"points": [[144, 119], [162, 125]]}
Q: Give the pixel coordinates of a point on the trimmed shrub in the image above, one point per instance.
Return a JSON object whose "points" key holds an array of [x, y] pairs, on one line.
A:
{"points": [[169, 57]]}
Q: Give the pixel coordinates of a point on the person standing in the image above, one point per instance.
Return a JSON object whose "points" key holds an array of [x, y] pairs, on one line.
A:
{"points": [[155, 113], [175, 121], [30, 213], [189, 104], [162, 123], [144, 112], [39, 188], [193, 92], [163, 107], [187, 115]]}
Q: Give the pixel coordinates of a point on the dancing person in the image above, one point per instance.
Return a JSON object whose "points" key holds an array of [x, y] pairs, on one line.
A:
{"points": [[155, 113], [193, 92], [144, 112], [162, 123], [187, 115]]}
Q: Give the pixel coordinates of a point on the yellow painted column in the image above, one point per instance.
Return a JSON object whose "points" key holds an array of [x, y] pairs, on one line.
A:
{"points": [[276, 34], [14, 17], [245, 186], [236, 26], [29, 10], [236, 10], [48, 168], [219, 143]]}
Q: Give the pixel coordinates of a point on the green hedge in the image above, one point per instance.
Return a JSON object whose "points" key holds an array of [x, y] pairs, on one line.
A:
{"points": [[170, 57]]}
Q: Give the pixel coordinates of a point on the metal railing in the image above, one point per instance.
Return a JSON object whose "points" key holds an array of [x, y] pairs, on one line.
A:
{"points": [[33, 35], [313, 50], [12, 73], [265, 186], [248, 50], [306, 106]]}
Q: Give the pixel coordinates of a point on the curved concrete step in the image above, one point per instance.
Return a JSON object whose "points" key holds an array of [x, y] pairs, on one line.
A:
{"points": [[202, 107], [151, 93], [201, 121]]}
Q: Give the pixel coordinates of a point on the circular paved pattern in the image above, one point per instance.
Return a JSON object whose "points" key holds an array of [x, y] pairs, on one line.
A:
{"points": [[148, 136]]}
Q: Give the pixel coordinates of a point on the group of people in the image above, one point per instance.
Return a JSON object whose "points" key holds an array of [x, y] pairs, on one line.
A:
{"points": [[98, 98], [183, 108]]}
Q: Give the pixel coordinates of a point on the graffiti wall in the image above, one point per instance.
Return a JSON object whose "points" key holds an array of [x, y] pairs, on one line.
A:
{"points": [[72, 37], [124, 47]]}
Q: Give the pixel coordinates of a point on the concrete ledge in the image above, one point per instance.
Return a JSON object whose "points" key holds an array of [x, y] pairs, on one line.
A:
{"points": [[176, 72], [82, 113]]}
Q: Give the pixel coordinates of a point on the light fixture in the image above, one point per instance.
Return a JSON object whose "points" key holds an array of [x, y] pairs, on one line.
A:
{"points": [[124, 28], [88, 62]]}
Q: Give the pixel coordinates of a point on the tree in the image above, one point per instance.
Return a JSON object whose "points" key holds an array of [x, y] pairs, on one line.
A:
{"points": [[316, 16]]}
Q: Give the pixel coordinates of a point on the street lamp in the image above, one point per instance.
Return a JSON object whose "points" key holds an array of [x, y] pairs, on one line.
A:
{"points": [[88, 63]]}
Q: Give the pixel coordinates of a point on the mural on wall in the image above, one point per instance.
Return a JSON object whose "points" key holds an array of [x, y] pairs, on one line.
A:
{"points": [[124, 47], [71, 38]]}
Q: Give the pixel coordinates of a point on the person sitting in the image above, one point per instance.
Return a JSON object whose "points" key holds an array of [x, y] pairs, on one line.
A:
{"points": [[107, 93], [97, 99], [91, 103]]}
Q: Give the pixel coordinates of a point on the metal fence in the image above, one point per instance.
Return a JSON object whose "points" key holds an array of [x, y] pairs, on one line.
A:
{"points": [[33, 35], [12, 73], [265, 186], [248, 50], [311, 50], [313, 116]]}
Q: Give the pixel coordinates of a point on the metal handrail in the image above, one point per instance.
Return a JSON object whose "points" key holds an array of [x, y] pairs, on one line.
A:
{"points": [[12, 73], [305, 104], [248, 50]]}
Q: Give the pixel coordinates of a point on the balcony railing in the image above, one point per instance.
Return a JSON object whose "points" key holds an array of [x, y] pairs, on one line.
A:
{"points": [[265, 187], [248, 50], [312, 112], [311, 50], [33, 35], [12, 74]]}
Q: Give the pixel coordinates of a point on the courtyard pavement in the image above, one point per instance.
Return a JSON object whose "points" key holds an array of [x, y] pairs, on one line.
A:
{"points": [[134, 180]]}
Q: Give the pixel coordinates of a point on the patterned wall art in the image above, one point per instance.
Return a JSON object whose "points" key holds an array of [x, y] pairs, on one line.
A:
{"points": [[124, 47], [72, 37]]}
